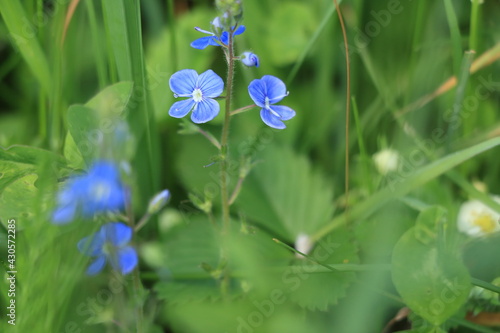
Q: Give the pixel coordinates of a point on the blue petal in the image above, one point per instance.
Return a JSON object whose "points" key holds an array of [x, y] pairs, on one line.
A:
{"points": [[117, 233], [202, 42], [127, 260], [97, 265], [104, 169], [210, 84], [224, 37], [181, 108], [275, 88], [271, 120], [239, 30], [257, 91], [205, 110], [64, 214], [285, 112], [183, 82], [92, 245]]}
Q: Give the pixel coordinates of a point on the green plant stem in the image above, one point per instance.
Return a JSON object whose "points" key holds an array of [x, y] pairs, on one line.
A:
{"points": [[473, 32], [243, 109], [225, 134], [224, 154], [137, 285], [210, 138]]}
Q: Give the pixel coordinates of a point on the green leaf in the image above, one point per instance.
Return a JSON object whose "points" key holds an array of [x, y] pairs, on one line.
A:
{"points": [[91, 126], [432, 280], [16, 200], [286, 195], [318, 291], [19, 161]]}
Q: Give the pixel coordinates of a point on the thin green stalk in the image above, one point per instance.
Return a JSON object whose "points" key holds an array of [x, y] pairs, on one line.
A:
{"points": [[96, 37], [137, 285], [474, 19], [173, 34], [225, 134], [224, 154]]}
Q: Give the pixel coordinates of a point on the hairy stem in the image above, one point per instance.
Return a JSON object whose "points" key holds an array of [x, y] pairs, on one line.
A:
{"points": [[224, 152]]}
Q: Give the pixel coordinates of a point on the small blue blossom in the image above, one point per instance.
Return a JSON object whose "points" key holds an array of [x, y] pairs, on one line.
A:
{"points": [[201, 89], [250, 59], [110, 244], [267, 91], [98, 191], [215, 39]]}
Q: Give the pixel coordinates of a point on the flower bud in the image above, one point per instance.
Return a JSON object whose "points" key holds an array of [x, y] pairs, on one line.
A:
{"points": [[158, 201], [386, 161], [250, 59]]}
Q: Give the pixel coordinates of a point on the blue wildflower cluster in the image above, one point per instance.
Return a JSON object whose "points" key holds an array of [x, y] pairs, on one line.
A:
{"points": [[203, 90], [99, 192]]}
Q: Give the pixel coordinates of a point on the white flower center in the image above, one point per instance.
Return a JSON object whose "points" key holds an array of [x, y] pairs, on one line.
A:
{"points": [[266, 101], [101, 191], [197, 95]]}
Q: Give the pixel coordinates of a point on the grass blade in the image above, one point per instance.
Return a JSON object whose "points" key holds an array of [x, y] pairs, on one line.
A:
{"points": [[15, 18], [420, 177]]}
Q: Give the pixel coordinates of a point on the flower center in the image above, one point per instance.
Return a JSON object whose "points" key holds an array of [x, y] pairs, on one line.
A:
{"points": [[197, 95], [101, 191], [266, 102], [485, 222]]}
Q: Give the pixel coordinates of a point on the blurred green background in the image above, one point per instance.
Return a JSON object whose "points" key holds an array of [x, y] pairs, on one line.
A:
{"points": [[400, 53]]}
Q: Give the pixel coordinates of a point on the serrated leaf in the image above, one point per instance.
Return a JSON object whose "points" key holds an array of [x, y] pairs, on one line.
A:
{"points": [[185, 248], [432, 281], [16, 199], [318, 291], [284, 194]]}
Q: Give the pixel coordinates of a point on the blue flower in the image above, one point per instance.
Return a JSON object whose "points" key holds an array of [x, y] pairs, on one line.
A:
{"points": [[250, 59], [267, 91], [98, 191], [201, 90], [214, 39], [110, 244]]}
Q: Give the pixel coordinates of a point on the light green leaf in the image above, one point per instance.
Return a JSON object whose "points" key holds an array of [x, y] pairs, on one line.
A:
{"points": [[319, 291], [19, 161], [284, 194], [433, 282], [91, 126], [16, 200]]}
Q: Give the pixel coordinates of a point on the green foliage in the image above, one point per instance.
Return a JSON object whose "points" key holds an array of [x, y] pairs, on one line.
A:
{"points": [[286, 195], [430, 277]]}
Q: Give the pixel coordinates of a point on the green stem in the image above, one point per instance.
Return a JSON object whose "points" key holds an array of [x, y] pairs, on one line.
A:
{"points": [[224, 153], [474, 18], [137, 285], [243, 109], [225, 134]]}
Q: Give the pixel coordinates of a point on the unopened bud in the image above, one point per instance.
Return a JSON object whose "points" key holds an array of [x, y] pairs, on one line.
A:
{"points": [[158, 201]]}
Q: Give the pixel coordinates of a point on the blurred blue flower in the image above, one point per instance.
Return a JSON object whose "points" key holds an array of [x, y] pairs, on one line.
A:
{"points": [[250, 59], [201, 89], [267, 91], [214, 39], [110, 244], [98, 191]]}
